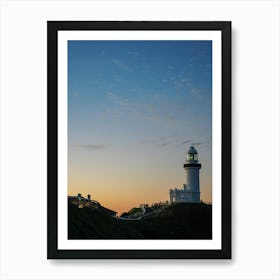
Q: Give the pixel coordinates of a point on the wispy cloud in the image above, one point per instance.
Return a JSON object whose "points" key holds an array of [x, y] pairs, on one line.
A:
{"points": [[119, 101], [164, 144], [194, 142], [179, 81], [196, 92], [199, 93], [122, 65], [201, 143], [182, 83], [186, 142], [92, 146], [141, 110], [132, 53], [176, 140], [197, 143], [163, 141]]}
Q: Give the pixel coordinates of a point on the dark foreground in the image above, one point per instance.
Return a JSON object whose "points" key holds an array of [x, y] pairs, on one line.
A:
{"points": [[178, 221]]}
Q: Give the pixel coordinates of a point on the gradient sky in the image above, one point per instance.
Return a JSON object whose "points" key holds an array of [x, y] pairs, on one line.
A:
{"points": [[134, 108]]}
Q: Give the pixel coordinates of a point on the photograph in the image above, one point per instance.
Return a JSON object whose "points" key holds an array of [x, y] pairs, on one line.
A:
{"points": [[139, 139]]}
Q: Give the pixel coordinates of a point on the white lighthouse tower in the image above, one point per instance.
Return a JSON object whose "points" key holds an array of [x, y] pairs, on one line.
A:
{"points": [[191, 190], [192, 166]]}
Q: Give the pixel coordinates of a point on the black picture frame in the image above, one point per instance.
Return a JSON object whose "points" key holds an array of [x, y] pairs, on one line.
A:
{"points": [[53, 27]]}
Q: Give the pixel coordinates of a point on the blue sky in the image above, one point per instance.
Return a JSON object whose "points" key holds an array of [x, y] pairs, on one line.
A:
{"points": [[134, 108]]}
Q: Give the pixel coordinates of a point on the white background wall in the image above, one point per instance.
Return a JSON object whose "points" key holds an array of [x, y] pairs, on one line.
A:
{"points": [[255, 150]]}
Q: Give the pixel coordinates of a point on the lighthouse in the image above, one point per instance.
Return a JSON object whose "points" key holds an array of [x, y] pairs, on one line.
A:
{"points": [[191, 190], [192, 166]]}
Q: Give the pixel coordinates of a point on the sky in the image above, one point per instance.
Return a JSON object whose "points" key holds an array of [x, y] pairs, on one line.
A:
{"points": [[134, 108]]}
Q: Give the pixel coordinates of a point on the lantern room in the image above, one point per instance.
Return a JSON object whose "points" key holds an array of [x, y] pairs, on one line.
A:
{"points": [[192, 154]]}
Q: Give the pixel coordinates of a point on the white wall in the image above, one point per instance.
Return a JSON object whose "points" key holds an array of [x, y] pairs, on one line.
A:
{"points": [[255, 188]]}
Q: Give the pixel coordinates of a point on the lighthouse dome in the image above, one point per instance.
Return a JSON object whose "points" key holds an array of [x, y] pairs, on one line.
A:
{"points": [[192, 150], [192, 155]]}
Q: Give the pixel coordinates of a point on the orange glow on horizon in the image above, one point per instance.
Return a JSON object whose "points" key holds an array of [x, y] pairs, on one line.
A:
{"points": [[122, 202]]}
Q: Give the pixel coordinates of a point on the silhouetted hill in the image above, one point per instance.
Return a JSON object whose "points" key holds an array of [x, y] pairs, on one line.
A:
{"points": [[178, 221], [88, 223], [182, 221]]}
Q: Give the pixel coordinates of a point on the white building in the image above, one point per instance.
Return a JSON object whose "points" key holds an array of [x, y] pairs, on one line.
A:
{"points": [[191, 191]]}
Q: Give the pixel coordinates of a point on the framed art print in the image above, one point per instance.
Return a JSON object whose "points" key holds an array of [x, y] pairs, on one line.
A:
{"points": [[139, 140]]}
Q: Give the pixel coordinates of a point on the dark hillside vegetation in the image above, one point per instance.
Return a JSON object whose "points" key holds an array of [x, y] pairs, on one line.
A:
{"points": [[178, 221]]}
